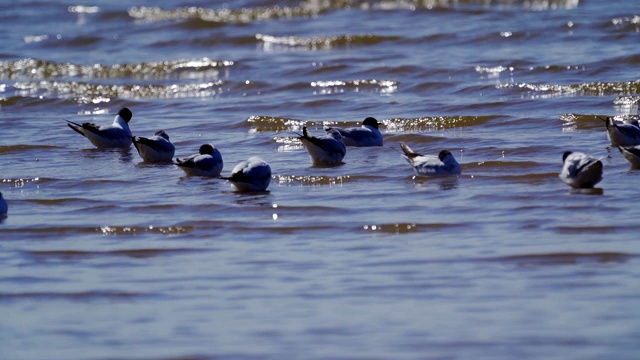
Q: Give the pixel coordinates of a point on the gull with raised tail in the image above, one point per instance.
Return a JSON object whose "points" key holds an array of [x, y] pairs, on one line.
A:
{"points": [[632, 154], [366, 135], [116, 135], [157, 148], [327, 149], [622, 133], [208, 162], [580, 171], [431, 165], [251, 175]]}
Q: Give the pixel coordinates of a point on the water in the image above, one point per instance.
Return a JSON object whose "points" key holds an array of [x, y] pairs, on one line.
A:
{"points": [[105, 257]]}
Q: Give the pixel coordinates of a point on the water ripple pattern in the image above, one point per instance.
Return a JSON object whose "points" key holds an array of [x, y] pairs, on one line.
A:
{"points": [[105, 256]]}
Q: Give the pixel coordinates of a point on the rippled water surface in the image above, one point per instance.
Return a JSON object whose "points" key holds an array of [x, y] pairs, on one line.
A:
{"points": [[103, 256]]}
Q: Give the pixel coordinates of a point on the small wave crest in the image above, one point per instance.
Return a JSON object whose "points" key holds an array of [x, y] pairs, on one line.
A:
{"points": [[322, 42], [42, 69], [319, 179], [86, 93], [338, 86], [564, 258], [225, 15], [596, 88], [434, 123]]}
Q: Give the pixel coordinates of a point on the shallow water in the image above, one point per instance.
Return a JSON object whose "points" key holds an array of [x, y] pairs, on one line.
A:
{"points": [[105, 257]]}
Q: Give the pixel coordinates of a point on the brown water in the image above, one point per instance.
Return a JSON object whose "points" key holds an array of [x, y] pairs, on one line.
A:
{"points": [[105, 257]]}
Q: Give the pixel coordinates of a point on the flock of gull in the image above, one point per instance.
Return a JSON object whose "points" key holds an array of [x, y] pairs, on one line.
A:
{"points": [[579, 170]]}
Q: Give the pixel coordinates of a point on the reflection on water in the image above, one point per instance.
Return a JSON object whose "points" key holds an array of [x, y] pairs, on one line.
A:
{"points": [[435, 182], [258, 198], [592, 191], [125, 155]]}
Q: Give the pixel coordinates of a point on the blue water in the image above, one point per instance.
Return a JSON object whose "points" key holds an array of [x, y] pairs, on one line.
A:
{"points": [[103, 256]]}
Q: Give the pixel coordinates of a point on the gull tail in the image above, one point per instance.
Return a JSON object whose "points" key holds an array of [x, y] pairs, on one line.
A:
{"points": [[305, 132], [407, 151], [408, 154], [75, 127]]}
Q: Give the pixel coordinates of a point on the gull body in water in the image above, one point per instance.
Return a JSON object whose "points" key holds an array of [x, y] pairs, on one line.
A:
{"points": [[4, 208], [622, 133], [251, 175], [207, 162], [327, 149], [431, 165], [366, 135], [116, 135], [580, 171], [157, 148], [632, 154]]}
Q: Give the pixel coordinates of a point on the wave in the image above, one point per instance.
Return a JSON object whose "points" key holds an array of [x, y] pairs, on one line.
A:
{"points": [[42, 69], [133, 253], [626, 23], [590, 89], [85, 93], [429, 123], [338, 86], [261, 123], [21, 148], [590, 121], [406, 228], [564, 258], [390, 5], [202, 17], [323, 42], [224, 15], [104, 230], [627, 100], [322, 179], [434, 123], [79, 295]]}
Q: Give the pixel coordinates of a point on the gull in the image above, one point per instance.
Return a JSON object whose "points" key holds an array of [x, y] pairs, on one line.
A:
{"points": [[580, 170], [430, 165], [327, 149], [208, 162], [157, 148], [365, 135], [622, 134], [3, 205], [253, 174], [632, 154], [116, 135]]}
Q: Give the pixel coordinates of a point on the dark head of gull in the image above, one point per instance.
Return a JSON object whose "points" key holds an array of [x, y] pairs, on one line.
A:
{"points": [[126, 114], [565, 155], [206, 149], [443, 154], [371, 122]]}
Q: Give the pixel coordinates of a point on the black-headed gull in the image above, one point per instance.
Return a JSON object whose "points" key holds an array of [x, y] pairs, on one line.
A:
{"points": [[157, 148], [366, 135], [4, 208], [622, 133], [632, 154], [116, 135], [327, 149], [208, 162], [431, 165], [253, 174], [580, 171]]}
